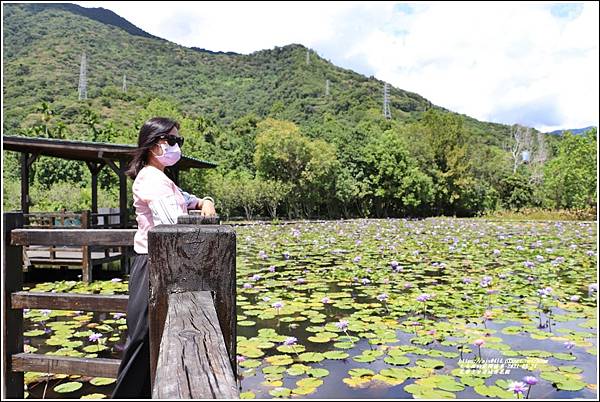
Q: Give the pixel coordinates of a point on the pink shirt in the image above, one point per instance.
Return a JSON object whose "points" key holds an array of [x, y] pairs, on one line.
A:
{"points": [[157, 200]]}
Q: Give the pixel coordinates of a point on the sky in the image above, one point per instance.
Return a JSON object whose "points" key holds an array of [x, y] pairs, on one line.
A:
{"points": [[534, 64]]}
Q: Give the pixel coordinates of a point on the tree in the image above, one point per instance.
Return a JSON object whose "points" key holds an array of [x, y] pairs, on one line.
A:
{"points": [[538, 159], [449, 143], [570, 178], [282, 153], [515, 191], [522, 141], [394, 179], [308, 167], [47, 114], [271, 194]]}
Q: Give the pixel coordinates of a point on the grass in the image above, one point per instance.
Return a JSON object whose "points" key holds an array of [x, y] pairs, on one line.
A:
{"points": [[540, 214]]}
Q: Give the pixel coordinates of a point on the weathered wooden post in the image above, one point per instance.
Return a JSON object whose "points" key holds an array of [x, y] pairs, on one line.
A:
{"points": [[187, 260], [12, 328], [87, 266]]}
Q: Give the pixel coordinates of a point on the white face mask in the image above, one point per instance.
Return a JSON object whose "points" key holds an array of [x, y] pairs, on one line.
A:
{"points": [[170, 156]]}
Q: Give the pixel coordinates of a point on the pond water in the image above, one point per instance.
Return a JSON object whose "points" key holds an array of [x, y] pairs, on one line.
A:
{"points": [[365, 309]]}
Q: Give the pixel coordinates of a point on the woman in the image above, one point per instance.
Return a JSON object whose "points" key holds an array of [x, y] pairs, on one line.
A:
{"points": [[157, 200]]}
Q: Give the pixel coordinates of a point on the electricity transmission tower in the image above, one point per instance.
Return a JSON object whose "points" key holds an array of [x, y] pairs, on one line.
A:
{"points": [[327, 88], [124, 82], [307, 57], [83, 78], [386, 102]]}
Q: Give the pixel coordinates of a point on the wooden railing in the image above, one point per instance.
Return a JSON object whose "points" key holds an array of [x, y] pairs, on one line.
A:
{"points": [[204, 264], [85, 256], [106, 221], [192, 297]]}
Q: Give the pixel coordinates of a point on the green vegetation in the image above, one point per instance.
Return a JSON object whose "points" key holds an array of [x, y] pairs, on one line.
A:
{"points": [[283, 146]]}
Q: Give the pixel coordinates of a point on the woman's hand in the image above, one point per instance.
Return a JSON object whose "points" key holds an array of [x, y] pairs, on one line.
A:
{"points": [[208, 208]]}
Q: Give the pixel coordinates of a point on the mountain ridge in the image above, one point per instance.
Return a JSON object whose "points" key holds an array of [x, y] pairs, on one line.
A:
{"points": [[221, 85], [572, 130]]}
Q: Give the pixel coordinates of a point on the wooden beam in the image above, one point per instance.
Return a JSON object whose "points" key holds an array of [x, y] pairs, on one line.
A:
{"points": [[193, 361], [96, 367], [73, 237], [95, 168], [31, 159], [191, 258], [69, 301], [12, 320], [24, 183], [111, 165]]}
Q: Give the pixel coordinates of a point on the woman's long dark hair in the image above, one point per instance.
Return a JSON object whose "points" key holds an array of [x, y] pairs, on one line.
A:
{"points": [[149, 132]]}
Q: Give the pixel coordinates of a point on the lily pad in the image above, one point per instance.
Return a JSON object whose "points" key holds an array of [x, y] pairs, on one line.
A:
{"points": [[318, 372], [279, 360], [280, 392], [397, 360], [34, 332], [571, 385], [98, 381], [336, 355], [564, 356], [430, 363], [360, 372], [311, 357], [67, 387], [309, 382]]}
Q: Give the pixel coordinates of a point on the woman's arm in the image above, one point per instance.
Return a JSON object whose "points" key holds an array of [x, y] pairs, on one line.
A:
{"points": [[206, 204], [191, 200]]}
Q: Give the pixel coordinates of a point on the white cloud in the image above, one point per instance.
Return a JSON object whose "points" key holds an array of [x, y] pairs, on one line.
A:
{"points": [[531, 63]]}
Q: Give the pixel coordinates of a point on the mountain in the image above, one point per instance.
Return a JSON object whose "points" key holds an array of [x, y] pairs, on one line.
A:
{"points": [[572, 130], [99, 14], [43, 44]]}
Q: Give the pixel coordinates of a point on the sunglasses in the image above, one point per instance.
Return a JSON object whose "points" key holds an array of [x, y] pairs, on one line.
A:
{"points": [[171, 139]]}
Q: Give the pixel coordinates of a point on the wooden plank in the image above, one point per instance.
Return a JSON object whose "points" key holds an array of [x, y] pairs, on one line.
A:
{"points": [[69, 301], [24, 183], [87, 266], [60, 249], [12, 320], [53, 215], [73, 237], [96, 367], [191, 258], [193, 361], [55, 261]]}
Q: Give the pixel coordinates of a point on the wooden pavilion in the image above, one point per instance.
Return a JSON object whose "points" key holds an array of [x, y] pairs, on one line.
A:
{"points": [[96, 156]]}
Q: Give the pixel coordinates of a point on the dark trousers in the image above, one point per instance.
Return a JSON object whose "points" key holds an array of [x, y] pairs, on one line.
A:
{"points": [[133, 380]]}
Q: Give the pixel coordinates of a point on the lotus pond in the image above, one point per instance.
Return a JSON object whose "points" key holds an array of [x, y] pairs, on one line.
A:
{"points": [[434, 308]]}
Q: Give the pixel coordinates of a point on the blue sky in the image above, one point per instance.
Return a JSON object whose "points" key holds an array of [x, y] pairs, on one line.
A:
{"points": [[529, 63]]}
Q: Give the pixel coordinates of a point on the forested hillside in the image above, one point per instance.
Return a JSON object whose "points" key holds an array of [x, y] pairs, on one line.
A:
{"points": [[256, 114]]}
